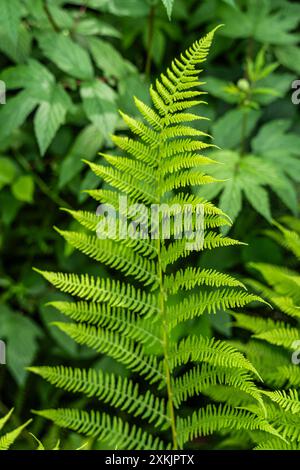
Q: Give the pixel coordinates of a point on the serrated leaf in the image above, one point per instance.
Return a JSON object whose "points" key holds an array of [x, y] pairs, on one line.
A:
{"points": [[67, 55], [100, 106], [231, 200], [23, 188], [109, 59], [50, 116], [258, 198]]}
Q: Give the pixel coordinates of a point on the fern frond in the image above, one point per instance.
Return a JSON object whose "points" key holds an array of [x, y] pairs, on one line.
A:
{"points": [[281, 336], [277, 444], [200, 378], [115, 255], [90, 221], [117, 391], [177, 249], [7, 440], [287, 400], [210, 302], [116, 319], [113, 431], [137, 191], [117, 346], [113, 292], [211, 418], [135, 168], [136, 149], [209, 350], [191, 277]]}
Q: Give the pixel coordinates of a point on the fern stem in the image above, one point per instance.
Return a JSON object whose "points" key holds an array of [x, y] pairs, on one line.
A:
{"points": [[162, 296]]}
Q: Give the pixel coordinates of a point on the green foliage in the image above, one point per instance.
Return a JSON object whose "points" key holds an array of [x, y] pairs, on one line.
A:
{"points": [[145, 315], [68, 68], [275, 338], [7, 440]]}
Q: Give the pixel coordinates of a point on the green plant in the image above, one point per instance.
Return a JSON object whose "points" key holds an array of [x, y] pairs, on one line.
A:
{"points": [[274, 338], [137, 325], [7, 440], [249, 172]]}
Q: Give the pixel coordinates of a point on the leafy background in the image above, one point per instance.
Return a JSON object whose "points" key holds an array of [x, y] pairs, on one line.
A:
{"points": [[69, 66]]}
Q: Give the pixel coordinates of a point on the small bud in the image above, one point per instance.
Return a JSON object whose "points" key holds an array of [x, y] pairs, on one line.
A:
{"points": [[243, 84]]}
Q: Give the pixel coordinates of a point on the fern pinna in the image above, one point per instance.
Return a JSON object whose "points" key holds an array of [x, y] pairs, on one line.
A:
{"points": [[274, 347], [133, 320], [7, 439]]}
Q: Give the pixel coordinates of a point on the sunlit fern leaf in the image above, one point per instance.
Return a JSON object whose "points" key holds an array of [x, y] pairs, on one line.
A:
{"points": [[132, 320], [8, 439], [199, 379], [114, 431], [113, 292], [117, 391], [113, 318], [191, 277], [211, 351], [287, 400], [196, 304], [212, 418], [115, 255], [117, 346], [277, 444]]}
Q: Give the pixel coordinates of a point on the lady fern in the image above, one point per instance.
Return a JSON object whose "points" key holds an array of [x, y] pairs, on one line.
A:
{"points": [[275, 341], [7, 440], [134, 320]]}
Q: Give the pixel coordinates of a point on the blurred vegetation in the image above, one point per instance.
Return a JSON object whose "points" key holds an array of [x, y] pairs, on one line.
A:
{"points": [[68, 67]]}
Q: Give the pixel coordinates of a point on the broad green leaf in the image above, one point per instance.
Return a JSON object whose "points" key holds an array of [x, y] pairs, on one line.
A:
{"points": [[100, 106], [262, 21], [7, 171], [67, 55], [108, 59], [15, 111], [169, 6], [279, 146], [33, 76], [18, 51], [286, 191], [216, 87], [258, 198], [50, 116], [86, 145], [228, 129], [23, 188], [10, 14], [90, 26], [231, 200], [289, 56], [22, 335]]}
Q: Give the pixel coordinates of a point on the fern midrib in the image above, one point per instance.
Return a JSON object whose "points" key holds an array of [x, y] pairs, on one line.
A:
{"points": [[162, 291]]}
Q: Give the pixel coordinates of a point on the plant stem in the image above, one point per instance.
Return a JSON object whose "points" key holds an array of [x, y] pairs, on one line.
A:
{"points": [[244, 132], [151, 19], [50, 17], [162, 296]]}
